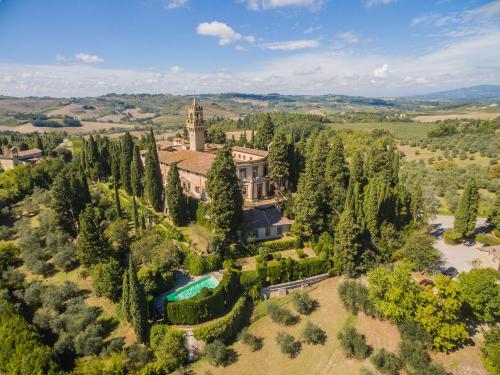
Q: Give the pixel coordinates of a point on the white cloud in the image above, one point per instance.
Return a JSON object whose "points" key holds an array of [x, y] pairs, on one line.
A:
{"points": [[90, 59], [219, 30], [240, 48], [176, 69], [381, 72], [173, 4], [312, 29], [273, 4], [291, 45], [60, 57], [370, 3], [250, 39], [348, 37]]}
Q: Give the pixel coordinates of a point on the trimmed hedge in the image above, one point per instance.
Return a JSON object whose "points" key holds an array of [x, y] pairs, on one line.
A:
{"points": [[286, 270], [205, 306], [227, 327], [200, 264], [269, 247]]}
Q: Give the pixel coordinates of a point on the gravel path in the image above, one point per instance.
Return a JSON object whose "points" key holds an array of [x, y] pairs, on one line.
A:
{"points": [[460, 256]]}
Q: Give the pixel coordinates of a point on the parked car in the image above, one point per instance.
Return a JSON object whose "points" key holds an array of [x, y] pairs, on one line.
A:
{"points": [[469, 242], [450, 271]]}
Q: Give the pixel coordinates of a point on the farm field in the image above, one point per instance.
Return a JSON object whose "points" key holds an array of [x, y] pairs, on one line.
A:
{"points": [[328, 359], [87, 127], [417, 153], [401, 130], [470, 115]]}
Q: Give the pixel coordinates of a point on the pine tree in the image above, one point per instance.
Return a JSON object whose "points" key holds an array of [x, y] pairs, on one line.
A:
{"points": [[279, 164], [127, 151], [176, 201], [337, 179], [137, 173], [153, 183], [133, 303], [466, 213], [223, 189], [93, 245], [347, 244], [118, 205], [265, 133]]}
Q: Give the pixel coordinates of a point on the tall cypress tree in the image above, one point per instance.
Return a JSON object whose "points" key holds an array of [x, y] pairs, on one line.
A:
{"points": [[93, 245], [135, 216], [279, 164], [223, 189], [357, 170], [176, 201], [125, 299], [265, 133], [125, 161], [118, 205], [104, 153], [466, 213], [134, 303], [347, 244], [337, 178], [153, 183], [115, 162], [137, 173]]}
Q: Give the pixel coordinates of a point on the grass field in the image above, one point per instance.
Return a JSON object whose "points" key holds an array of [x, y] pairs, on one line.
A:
{"points": [[329, 358], [468, 115], [401, 130], [417, 153]]}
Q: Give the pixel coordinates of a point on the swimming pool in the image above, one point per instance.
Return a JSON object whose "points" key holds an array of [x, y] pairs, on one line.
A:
{"points": [[193, 289]]}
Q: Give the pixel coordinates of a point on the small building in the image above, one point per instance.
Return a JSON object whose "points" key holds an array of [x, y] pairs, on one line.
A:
{"points": [[15, 157], [265, 223]]}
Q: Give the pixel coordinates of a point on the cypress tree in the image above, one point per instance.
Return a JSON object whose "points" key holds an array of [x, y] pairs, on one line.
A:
{"points": [[105, 157], [115, 163], [354, 203], [279, 164], [466, 213], [127, 152], [265, 133], [118, 205], [38, 143], [135, 216], [136, 303], [243, 139], [337, 178], [252, 139], [93, 245], [357, 170], [153, 183], [137, 173], [417, 201], [125, 299], [223, 189], [176, 201], [347, 244]]}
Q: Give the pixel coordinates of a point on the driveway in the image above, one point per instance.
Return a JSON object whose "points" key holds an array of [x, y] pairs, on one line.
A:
{"points": [[460, 256]]}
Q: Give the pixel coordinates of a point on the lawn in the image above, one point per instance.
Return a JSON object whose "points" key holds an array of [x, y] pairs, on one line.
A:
{"points": [[328, 359]]}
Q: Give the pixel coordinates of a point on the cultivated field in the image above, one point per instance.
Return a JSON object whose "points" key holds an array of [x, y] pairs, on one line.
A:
{"points": [[329, 358], [87, 127], [401, 130], [417, 153], [471, 115]]}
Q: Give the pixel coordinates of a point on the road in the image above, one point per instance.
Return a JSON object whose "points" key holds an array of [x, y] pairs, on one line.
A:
{"points": [[460, 256]]}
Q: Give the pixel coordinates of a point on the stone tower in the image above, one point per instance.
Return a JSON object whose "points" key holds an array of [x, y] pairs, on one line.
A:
{"points": [[196, 127]]}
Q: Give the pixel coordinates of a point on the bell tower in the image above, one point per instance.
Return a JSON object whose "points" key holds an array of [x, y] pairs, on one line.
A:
{"points": [[196, 127]]}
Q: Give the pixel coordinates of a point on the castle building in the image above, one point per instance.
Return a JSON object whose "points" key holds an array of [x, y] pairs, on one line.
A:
{"points": [[195, 159], [15, 157]]}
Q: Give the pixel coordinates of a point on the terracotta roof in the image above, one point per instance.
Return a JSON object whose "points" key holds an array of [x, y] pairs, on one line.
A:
{"points": [[28, 153], [251, 151], [265, 217], [193, 161], [164, 144]]}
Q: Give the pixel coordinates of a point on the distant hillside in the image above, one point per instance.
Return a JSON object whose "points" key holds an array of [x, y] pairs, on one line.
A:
{"points": [[481, 92]]}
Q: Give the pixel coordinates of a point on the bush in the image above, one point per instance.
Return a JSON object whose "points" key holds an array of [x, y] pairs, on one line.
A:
{"points": [[451, 237], [354, 295], [303, 303], [491, 351], [280, 314], [226, 328], [273, 246], [312, 334], [288, 345], [416, 360], [201, 308], [487, 240], [254, 342], [249, 278], [198, 264], [301, 253], [107, 279], [386, 362], [413, 331], [168, 346], [218, 355], [353, 343], [155, 279]]}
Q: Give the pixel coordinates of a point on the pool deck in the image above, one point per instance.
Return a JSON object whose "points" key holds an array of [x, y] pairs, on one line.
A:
{"points": [[183, 280]]}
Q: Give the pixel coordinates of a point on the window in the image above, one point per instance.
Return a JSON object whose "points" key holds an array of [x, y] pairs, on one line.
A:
{"points": [[259, 190], [243, 173], [279, 230], [256, 233], [197, 190], [244, 191], [268, 231], [254, 172]]}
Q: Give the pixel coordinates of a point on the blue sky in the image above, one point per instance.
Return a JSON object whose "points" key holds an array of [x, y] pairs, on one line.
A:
{"points": [[357, 47]]}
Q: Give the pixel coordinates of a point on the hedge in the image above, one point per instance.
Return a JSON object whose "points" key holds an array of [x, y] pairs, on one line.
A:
{"points": [[487, 240], [273, 246], [205, 306], [227, 327], [451, 237], [200, 264]]}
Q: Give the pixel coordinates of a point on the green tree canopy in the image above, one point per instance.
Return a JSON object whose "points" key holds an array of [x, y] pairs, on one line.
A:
{"points": [[176, 201], [466, 213], [93, 245], [153, 182], [265, 133]]}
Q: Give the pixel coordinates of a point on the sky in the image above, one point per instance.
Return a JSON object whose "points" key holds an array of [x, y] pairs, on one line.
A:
{"points": [[378, 48]]}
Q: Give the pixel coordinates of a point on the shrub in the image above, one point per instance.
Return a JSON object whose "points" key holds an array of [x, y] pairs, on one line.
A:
{"points": [[288, 345], [280, 314], [249, 278], [273, 246], [303, 303], [416, 360], [226, 328], [353, 343], [219, 355], [386, 362], [254, 342], [107, 279], [487, 240], [312, 334], [354, 295], [195, 264], [301, 253], [413, 331], [168, 346], [451, 237], [277, 256], [491, 351], [155, 279]]}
